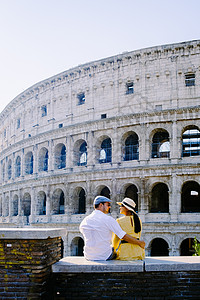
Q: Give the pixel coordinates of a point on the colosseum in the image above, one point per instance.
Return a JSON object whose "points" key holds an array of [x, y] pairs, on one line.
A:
{"points": [[127, 125]]}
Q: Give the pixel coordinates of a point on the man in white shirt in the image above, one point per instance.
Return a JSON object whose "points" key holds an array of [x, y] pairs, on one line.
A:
{"points": [[97, 231]]}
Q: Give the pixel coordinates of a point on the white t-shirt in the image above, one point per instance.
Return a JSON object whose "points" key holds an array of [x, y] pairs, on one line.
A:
{"points": [[97, 230]]}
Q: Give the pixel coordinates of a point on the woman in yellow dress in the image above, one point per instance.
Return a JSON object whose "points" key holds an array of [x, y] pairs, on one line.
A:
{"points": [[132, 225]]}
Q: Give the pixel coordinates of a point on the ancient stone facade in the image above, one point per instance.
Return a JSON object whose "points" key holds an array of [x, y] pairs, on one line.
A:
{"points": [[127, 125]]}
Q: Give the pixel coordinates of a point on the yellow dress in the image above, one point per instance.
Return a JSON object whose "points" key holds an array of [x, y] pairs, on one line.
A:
{"points": [[127, 251]]}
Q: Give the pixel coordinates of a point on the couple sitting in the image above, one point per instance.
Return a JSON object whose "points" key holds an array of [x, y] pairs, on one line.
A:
{"points": [[99, 229]]}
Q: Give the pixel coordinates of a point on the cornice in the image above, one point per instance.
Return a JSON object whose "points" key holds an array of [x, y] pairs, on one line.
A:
{"points": [[90, 68]]}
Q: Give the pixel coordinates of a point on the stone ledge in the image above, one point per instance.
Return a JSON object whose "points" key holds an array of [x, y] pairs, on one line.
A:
{"points": [[77, 264], [172, 263], [31, 233]]}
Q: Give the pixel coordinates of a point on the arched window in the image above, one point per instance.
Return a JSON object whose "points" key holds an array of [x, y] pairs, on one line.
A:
{"points": [[186, 248], [58, 202], [105, 192], [77, 246], [83, 154], [190, 197], [43, 160], [159, 198], [160, 145], [29, 163], [60, 156], [42, 203], [18, 167], [131, 149], [105, 155], [15, 205], [191, 142], [132, 193], [81, 209], [3, 172], [159, 247], [26, 204], [62, 204], [9, 169]]}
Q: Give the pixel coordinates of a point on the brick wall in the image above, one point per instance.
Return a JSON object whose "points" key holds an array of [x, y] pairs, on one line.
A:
{"points": [[26, 257], [25, 267], [130, 286], [154, 278]]}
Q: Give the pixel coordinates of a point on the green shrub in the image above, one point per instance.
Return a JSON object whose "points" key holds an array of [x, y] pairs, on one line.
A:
{"points": [[196, 247]]}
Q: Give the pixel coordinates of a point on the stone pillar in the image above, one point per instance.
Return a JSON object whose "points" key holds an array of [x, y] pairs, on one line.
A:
{"points": [[50, 156], [35, 159], [89, 197], [174, 150], [116, 150], [22, 163], [48, 202], [33, 206], [90, 150], [174, 199], [69, 152], [10, 204], [142, 201], [20, 203], [3, 205]]}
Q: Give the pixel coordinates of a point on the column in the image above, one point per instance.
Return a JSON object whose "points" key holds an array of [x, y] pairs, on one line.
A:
{"points": [[33, 206], [10, 204], [174, 142], [50, 156], [142, 200], [22, 163], [48, 203], [174, 199], [35, 159]]}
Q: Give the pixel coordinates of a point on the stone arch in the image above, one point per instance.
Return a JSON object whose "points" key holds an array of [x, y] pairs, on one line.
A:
{"points": [[130, 146], [15, 205], [104, 191], [43, 160], [41, 203], [29, 163], [26, 204], [190, 197], [130, 190], [159, 198], [80, 153], [60, 156], [104, 149], [18, 166], [159, 247], [77, 245], [186, 247], [190, 141], [58, 202], [79, 200], [160, 145]]}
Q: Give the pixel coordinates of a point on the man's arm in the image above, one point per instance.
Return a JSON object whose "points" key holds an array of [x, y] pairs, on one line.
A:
{"points": [[128, 238]]}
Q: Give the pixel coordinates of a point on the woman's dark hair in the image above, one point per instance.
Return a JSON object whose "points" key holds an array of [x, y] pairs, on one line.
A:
{"points": [[137, 222]]}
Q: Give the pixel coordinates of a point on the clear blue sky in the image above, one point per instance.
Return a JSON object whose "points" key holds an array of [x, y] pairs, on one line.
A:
{"points": [[40, 38]]}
